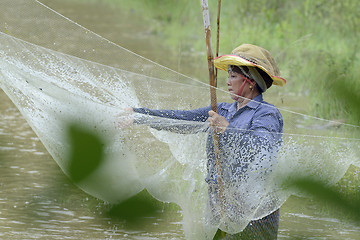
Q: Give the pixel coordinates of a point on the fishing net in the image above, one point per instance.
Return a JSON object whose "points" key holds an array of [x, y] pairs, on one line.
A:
{"points": [[54, 80]]}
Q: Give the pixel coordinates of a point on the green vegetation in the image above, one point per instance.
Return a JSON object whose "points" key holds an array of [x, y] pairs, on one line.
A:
{"points": [[314, 42]]}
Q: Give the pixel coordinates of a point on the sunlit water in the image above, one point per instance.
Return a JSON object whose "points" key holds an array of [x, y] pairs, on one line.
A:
{"points": [[37, 201]]}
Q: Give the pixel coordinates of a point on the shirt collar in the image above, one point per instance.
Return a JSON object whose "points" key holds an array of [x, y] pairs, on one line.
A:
{"points": [[254, 103]]}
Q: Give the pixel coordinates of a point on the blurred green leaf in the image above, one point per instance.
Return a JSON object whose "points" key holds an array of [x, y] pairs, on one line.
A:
{"points": [[347, 94], [86, 156], [135, 210], [327, 194], [219, 235], [86, 152]]}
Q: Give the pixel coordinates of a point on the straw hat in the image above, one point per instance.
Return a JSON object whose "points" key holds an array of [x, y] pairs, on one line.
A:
{"points": [[253, 56]]}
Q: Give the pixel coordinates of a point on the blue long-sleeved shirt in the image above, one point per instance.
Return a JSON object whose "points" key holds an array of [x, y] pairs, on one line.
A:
{"points": [[255, 129]]}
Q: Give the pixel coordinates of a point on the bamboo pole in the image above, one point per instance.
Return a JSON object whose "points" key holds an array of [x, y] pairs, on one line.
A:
{"points": [[218, 29], [217, 37], [209, 53], [210, 57]]}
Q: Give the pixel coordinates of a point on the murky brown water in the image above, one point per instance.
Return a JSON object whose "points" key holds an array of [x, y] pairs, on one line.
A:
{"points": [[38, 202]]}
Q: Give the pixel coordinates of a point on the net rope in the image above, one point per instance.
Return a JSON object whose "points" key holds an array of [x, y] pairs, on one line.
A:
{"points": [[54, 80]]}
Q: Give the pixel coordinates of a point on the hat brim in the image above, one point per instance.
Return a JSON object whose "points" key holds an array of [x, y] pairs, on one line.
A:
{"points": [[222, 62]]}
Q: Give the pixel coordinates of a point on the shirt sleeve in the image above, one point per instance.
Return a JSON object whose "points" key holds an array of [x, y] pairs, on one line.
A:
{"points": [[178, 121], [199, 115]]}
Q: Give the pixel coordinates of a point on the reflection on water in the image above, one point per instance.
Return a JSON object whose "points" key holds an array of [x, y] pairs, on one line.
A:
{"points": [[38, 201]]}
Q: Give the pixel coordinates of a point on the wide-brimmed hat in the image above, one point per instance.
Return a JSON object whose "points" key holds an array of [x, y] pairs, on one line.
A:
{"points": [[252, 56]]}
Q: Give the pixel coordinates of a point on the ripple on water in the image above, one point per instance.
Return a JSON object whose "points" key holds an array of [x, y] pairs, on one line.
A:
{"points": [[2, 148], [86, 217], [42, 214], [63, 212]]}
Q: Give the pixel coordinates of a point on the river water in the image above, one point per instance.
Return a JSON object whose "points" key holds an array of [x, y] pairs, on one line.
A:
{"points": [[37, 201]]}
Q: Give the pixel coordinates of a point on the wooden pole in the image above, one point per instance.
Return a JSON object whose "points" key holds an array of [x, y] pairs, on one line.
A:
{"points": [[217, 37], [209, 53], [210, 57], [218, 29]]}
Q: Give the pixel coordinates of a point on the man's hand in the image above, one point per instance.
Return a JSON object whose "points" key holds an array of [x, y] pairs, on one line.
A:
{"points": [[217, 123]]}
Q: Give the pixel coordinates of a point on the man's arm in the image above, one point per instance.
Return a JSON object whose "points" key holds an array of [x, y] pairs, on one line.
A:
{"points": [[178, 121]]}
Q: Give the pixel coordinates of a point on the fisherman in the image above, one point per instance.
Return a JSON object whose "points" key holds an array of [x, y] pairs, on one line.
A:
{"points": [[250, 133], [252, 70]]}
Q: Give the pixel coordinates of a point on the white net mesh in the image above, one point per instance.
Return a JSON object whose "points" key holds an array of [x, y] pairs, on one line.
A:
{"points": [[53, 79]]}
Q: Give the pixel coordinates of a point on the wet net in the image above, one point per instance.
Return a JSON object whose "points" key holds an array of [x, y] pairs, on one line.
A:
{"points": [[54, 80]]}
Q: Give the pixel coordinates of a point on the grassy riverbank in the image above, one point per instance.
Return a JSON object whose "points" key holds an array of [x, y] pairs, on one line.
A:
{"points": [[314, 42]]}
